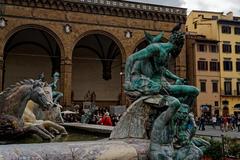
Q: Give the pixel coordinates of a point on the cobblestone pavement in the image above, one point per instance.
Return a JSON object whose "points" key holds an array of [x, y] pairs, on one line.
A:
{"points": [[210, 131]]}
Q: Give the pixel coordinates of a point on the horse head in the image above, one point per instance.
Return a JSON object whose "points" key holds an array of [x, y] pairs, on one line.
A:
{"points": [[41, 97]]}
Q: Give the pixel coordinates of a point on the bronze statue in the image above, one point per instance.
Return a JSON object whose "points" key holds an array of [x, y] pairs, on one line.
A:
{"points": [[162, 105], [56, 94], [146, 71]]}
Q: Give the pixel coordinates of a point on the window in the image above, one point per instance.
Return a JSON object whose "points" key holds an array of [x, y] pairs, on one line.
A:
{"points": [[203, 86], [214, 17], [203, 65], [238, 66], [228, 88], [238, 88], [202, 48], [213, 48], [216, 103], [214, 66], [226, 29], [227, 65], [214, 86], [237, 30], [195, 25], [237, 48], [225, 102], [227, 48]]}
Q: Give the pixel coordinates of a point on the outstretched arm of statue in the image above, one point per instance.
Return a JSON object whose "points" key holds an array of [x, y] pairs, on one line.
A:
{"points": [[170, 75]]}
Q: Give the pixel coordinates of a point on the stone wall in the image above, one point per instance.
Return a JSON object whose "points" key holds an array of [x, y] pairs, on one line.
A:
{"points": [[85, 19]]}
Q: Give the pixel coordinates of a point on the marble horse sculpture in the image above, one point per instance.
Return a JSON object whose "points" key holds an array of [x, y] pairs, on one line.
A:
{"points": [[13, 101], [160, 108], [53, 114], [46, 120]]}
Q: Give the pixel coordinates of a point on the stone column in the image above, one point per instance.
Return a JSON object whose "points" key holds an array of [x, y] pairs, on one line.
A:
{"points": [[122, 76], [66, 81], [128, 45], [181, 63], [1, 72]]}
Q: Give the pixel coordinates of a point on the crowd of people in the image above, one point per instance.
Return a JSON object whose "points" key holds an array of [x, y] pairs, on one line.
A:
{"points": [[226, 123], [104, 118], [101, 117]]}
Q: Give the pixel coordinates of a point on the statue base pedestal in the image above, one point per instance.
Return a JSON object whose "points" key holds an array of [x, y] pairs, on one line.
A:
{"points": [[136, 121]]}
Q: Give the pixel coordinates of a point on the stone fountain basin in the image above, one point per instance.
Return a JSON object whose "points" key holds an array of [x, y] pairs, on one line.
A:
{"points": [[127, 149], [104, 149]]}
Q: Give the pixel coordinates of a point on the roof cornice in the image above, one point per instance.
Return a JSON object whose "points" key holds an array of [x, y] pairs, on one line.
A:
{"points": [[109, 7]]}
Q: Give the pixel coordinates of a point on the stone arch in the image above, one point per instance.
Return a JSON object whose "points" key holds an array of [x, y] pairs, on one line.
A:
{"points": [[105, 33], [97, 47], [34, 26], [237, 106], [48, 44]]}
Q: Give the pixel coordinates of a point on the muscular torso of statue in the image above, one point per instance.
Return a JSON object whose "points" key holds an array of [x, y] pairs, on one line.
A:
{"points": [[152, 67]]}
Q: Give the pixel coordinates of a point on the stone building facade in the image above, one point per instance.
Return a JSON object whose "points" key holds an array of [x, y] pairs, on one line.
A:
{"points": [[51, 35], [224, 29], [201, 52]]}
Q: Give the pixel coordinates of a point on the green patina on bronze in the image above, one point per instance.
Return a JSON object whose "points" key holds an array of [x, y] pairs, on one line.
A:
{"points": [[146, 73], [55, 94]]}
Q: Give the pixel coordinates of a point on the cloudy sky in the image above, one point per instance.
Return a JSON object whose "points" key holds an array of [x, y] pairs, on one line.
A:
{"points": [[210, 5]]}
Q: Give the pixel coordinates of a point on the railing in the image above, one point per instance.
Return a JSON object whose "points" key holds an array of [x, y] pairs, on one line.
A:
{"points": [[233, 93]]}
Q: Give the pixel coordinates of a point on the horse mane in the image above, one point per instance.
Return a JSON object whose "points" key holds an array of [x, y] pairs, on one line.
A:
{"points": [[12, 88]]}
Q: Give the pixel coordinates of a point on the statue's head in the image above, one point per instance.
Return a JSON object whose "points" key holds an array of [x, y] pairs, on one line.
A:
{"points": [[56, 74], [177, 39], [39, 96], [182, 112]]}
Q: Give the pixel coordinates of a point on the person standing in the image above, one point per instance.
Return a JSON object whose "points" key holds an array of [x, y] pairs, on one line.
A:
{"points": [[225, 123], [238, 123], [202, 123], [214, 121], [106, 120]]}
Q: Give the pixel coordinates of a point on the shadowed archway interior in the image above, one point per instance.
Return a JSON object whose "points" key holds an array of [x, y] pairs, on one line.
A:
{"points": [[96, 67], [29, 52]]}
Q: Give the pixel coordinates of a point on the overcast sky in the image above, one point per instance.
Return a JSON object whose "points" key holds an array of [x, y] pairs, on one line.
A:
{"points": [[209, 5]]}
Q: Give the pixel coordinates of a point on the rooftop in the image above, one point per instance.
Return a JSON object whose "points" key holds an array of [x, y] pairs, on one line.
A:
{"points": [[109, 7], [134, 5], [207, 12]]}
